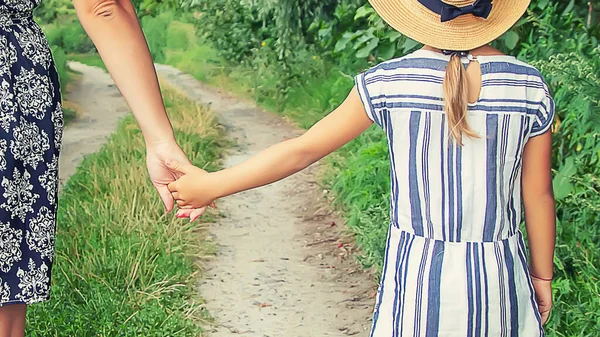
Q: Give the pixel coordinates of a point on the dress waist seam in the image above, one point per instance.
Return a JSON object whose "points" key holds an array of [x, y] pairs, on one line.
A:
{"points": [[514, 235], [11, 19]]}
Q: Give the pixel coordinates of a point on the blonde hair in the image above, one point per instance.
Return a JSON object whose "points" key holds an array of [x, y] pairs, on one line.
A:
{"points": [[457, 100]]}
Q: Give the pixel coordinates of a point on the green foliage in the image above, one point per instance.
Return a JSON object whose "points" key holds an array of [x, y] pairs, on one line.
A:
{"points": [[155, 7], [234, 27], [60, 62], [123, 266], [556, 27], [75, 39], [69, 36], [157, 29], [575, 79], [50, 11], [370, 38]]}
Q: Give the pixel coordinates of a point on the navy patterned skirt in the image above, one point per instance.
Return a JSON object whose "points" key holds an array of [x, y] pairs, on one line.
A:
{"points": [[31, 124]]}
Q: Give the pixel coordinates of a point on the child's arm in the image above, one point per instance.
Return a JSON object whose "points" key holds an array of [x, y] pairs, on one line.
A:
{"points": [[540, 217], [538, 199], [349, 120]]}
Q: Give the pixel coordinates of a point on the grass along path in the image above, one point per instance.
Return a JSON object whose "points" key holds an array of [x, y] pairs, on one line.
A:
{"points": [[123, 267]]}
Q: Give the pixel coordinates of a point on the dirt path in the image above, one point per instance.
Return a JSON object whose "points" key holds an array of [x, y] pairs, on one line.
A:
{"points": [[280, 270], [100, 107]]}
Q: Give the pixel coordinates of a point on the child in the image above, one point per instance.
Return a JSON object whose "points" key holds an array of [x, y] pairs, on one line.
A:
{"points": [[468, 133]]}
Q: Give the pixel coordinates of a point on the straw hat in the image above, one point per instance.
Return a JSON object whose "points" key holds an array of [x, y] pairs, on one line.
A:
{"points": [[457, 25]]}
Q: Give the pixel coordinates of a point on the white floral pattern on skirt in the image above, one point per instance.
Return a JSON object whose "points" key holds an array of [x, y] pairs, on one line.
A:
{"points": [[31, 123]]}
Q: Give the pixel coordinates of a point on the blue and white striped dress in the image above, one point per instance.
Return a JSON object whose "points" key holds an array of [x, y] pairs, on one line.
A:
{"points": [[455, 262]]}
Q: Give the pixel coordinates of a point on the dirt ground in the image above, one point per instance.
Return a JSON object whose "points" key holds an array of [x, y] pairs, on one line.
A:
{"points": [[100, 106], [284, 265]]}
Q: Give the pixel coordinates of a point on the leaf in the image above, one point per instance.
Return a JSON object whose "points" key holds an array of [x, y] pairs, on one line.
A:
{"points": [[568, 169], [511, 38], [393, 35], [543, 3], [562, 187], [361, 40], [386, 51], [363, 12], [521, 22], [366, 50], [569, 8], [562, 181], [409, 44], [342, 43], [324, 32], [315, 25]]}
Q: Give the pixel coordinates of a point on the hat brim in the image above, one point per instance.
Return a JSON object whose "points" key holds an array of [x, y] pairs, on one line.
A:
{"points": [[466, 32]]}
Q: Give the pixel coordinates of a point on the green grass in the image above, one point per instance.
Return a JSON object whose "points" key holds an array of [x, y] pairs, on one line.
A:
{"points": [[69, 115], [123, 266], [93, 60]]}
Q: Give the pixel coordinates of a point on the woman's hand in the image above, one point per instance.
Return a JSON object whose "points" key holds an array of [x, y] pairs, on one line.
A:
{"points": [[195, 188], [161, 175], [543, 297]]}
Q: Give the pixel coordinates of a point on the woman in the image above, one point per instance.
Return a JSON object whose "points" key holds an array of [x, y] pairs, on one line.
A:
{"points": [[470, 144], [31, 120]]}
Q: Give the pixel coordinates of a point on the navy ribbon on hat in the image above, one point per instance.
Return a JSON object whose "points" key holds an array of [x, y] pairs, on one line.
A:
{"points": [[480, 8]]}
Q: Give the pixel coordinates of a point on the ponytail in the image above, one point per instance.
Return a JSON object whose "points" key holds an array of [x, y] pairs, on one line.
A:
{"points": [[456, 100]]}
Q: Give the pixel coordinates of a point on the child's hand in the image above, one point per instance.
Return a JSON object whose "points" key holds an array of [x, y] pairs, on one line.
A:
{"points": [[543, 297], [194, 189]]}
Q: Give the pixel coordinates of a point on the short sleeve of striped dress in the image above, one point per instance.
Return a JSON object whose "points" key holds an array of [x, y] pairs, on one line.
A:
{"points": [[371, 94], [545, 114]]}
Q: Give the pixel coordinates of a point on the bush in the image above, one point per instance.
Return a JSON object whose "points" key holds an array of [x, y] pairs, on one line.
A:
{"points": [[60, 62], [155, 29], [177, 36], [75, 39], [70, 37], [575, 79], [51, 11]]}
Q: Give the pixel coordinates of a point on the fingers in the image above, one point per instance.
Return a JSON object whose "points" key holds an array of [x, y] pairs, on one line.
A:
{"points": [[166, 197], [544, 310], [183, 205], [177, 166], [184, 213], [195, 214], [545, 316], [192, 213]]}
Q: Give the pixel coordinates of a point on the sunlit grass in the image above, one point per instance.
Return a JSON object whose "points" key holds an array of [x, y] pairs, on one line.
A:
{"points": [[123, 266]]}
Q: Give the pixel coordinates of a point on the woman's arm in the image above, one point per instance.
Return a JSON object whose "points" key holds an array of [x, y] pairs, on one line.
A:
{"points": [[277, 162], [114, 28]]}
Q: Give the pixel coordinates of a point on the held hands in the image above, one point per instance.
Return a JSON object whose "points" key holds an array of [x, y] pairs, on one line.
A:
{"points": [[161, 175], [194, 188]]}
